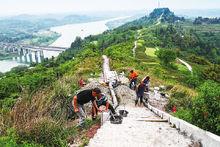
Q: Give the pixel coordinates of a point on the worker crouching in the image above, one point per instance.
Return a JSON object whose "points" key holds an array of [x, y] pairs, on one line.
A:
{"points": [[102, 100]]}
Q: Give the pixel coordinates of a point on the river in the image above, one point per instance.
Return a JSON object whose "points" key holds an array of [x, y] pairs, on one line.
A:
{"points": [[68, 34]]}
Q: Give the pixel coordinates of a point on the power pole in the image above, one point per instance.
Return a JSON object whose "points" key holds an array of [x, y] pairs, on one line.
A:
{"points": [[158, 3]]}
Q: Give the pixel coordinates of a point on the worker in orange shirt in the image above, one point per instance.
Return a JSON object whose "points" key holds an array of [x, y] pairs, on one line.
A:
{"points": [[133, 79]]}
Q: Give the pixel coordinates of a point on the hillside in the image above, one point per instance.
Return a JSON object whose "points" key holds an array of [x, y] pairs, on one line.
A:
{"points": [[33, 101]]}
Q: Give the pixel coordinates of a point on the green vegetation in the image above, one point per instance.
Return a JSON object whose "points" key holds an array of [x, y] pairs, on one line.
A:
{"points": [[43, 92], [5, 56], [167, 57], [43, 38], [200, 20], [150, 52], [205, 109]]}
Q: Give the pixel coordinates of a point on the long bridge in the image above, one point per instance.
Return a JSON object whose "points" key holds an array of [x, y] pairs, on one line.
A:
{"points": [[12, 47], [29, 53]]}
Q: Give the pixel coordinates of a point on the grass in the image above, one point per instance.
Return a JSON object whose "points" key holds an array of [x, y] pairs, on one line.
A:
{"points": [[150, 52], [182, 67]]}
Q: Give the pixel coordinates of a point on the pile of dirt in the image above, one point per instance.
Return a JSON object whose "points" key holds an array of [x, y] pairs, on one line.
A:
{"points": [[93, 130], [96, 84], [158, 103], [125, 94]]}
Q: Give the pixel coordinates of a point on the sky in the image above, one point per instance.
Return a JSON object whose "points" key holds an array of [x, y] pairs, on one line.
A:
{"points": [[15, 7]]}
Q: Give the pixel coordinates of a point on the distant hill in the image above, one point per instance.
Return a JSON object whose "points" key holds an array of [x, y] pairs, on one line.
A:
{"points": [[201, 20], [158, 15], [79, 19], [165, 15], [193, 13]]}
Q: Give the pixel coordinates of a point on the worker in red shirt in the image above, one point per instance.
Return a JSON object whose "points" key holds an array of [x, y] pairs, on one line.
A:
{"points": [[81, 83], [133, 79]]}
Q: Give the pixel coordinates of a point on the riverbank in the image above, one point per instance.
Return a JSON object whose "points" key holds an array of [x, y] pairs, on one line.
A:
{"points": [[7, 65]]}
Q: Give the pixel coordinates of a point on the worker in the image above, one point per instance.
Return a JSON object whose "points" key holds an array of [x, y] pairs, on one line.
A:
{"points": [[140, 94], [133, 79], [146, 82], [82, 98], [102, 101], [81, 83]]}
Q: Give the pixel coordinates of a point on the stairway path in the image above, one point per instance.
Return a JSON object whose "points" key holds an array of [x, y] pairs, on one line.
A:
{"points": [[134, 133], [134, 49]]}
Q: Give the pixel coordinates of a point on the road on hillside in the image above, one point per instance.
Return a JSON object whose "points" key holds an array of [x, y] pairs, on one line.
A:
{"points": [[186, 64]]}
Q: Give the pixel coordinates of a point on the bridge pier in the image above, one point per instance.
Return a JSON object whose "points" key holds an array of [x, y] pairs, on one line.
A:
{"points": [[14, 50], [16, 58], [22, 51], [20, 58], [36, 56], [30, 57], [26, 51], [41, 55], [25, 58]]}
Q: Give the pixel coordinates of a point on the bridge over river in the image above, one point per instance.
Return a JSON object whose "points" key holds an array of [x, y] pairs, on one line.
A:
{"points": [[29, 53]]}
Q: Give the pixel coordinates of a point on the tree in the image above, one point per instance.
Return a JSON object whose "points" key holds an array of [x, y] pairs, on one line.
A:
{"points": [[166, 56], [212, 72], [77, 43], [206, 108], [1, 74]]}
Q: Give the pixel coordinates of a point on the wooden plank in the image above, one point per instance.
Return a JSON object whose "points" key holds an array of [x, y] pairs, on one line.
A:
{"points": [[154, 120], [146, 116]]}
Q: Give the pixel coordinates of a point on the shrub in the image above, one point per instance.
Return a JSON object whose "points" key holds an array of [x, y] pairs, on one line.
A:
{"points": [[198, 60], [181, 97], [193, 81], [166, 56], [19, 69], [184, 114], [1, 74], [12, 140], [45, 132], [212, 72], [206, 108], [7, 103]]}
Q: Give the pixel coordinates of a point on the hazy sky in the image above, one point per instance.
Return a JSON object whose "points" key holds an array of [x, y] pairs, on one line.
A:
{"points": [[11, 7]]}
